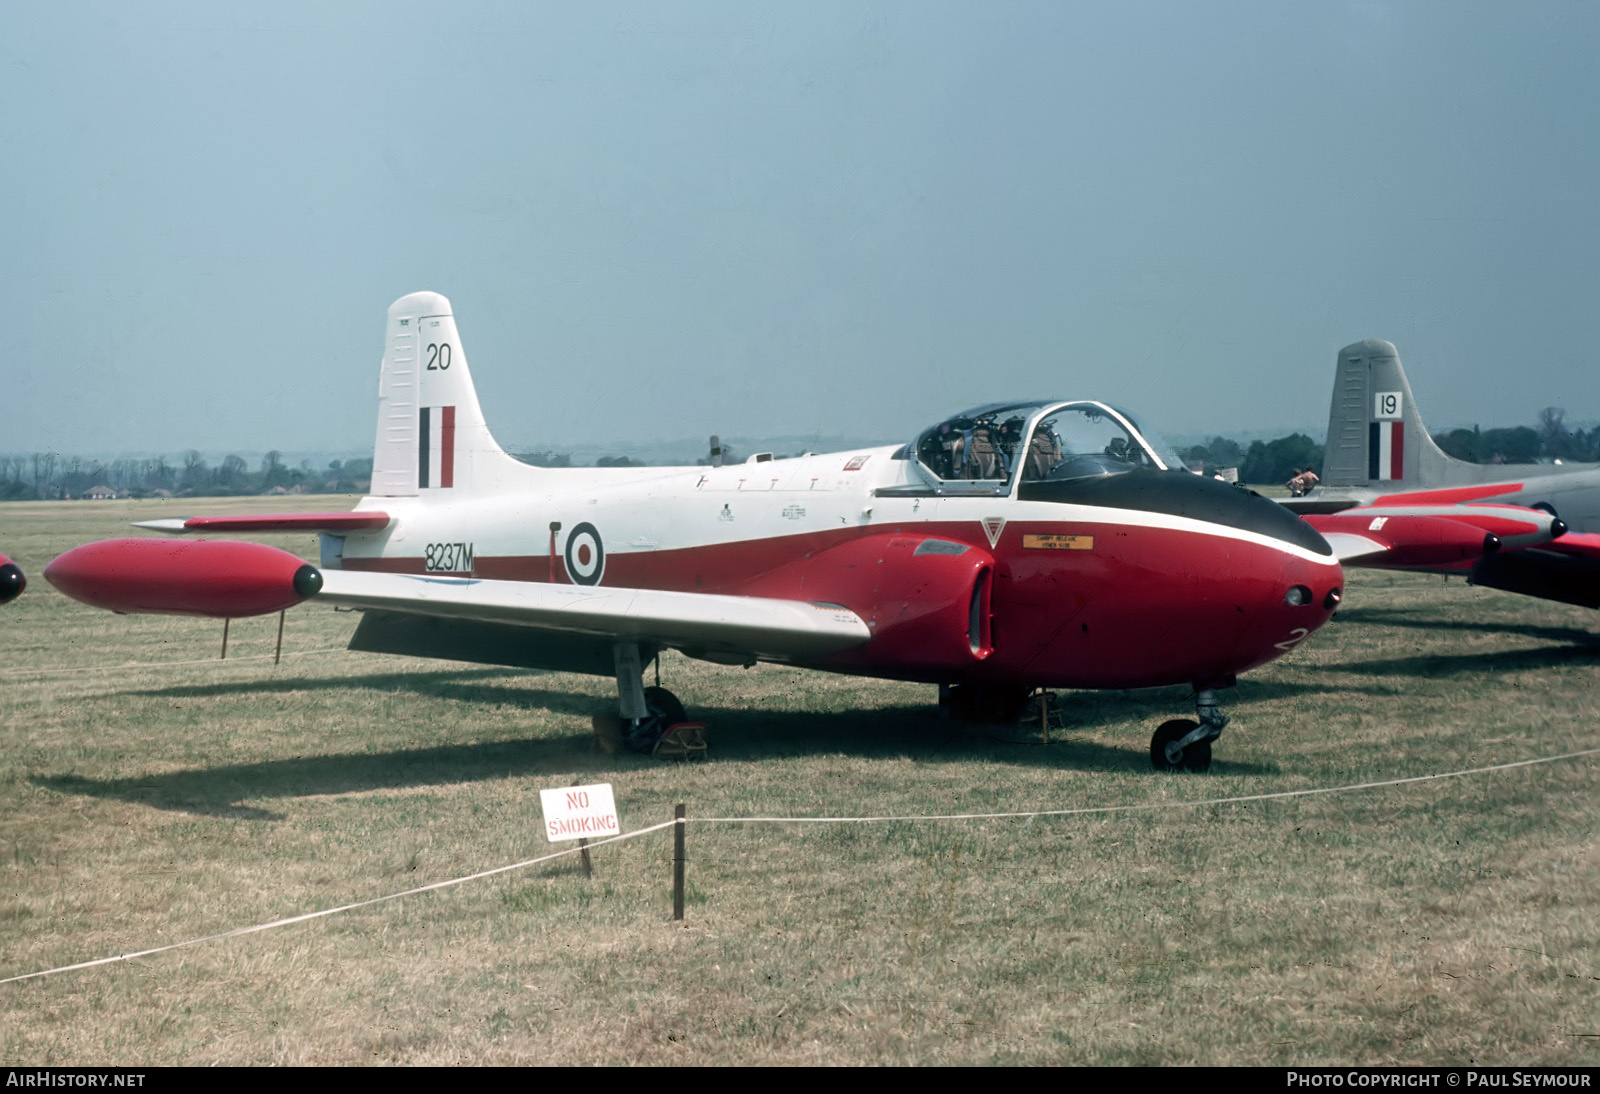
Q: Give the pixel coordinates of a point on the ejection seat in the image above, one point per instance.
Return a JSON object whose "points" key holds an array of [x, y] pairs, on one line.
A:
{"points": [[983, 459]]}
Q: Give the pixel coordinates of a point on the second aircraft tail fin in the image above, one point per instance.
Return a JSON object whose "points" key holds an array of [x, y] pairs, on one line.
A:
{"points": [[1375, 433]]}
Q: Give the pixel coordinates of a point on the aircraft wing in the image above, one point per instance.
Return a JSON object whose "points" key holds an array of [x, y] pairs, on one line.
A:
{"points": [[1577, 544], [1505, 547], [1433, 537], [767, 628], [1566, 569]]}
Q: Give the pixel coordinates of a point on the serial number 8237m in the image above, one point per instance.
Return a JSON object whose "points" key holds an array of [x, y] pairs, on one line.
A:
{"points": [[450, 558]]}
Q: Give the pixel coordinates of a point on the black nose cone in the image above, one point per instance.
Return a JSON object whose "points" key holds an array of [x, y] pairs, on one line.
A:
{"points": [[307, 581]]}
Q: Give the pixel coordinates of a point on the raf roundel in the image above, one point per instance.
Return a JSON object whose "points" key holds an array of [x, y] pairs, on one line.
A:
{"points": [[586, 557]]}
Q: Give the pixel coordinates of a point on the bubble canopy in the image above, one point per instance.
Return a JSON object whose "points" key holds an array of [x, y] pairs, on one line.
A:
{"points": [[990, 448]]}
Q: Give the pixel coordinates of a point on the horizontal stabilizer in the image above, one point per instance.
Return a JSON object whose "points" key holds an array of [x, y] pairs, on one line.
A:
{"points": [[339, 523], [767, 628], [1453, 495], [1325, 501]]}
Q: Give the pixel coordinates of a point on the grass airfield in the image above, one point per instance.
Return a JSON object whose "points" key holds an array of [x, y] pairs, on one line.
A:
{"points": [[151, 793]]}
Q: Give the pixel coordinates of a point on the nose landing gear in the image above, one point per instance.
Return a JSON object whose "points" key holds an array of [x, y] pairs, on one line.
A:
{"points": [[1185, 745]]}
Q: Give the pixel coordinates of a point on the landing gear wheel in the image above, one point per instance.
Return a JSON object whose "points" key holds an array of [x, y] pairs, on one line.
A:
{"points": [[664, 706], [665, 710], [1165, 755], [676, 738]]}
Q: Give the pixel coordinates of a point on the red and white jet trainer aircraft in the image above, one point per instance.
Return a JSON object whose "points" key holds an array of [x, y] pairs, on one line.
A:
{"points": [[1048, 543]]}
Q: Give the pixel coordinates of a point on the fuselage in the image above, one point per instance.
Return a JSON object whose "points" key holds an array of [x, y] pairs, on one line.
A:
{"points": [[1136, 579]]}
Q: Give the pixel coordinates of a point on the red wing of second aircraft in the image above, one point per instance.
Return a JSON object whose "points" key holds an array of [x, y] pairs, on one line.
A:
{"points": [[1507, 547]]}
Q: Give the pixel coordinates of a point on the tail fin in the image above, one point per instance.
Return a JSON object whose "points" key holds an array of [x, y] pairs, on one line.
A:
{"points": [[431, 432], [1375, 433]]}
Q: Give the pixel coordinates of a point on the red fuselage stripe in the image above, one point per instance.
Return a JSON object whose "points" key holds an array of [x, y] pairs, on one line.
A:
{"points": [[1211, 605]]}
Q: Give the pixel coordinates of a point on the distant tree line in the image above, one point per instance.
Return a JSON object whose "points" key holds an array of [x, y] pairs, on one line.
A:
{"points": [[562, 459], [47, 476], [1275, 461], [547, 458], [1549, 440]]}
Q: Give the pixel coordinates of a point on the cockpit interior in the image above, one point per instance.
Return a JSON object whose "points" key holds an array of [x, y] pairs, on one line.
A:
{"points": [[1001, 443]]}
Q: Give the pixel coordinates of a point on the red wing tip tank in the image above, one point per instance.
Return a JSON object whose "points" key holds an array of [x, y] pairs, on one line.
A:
{"points": [[215, 578], [12, 580]]}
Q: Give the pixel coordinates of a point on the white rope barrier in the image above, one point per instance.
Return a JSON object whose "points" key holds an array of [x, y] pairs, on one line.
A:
{"points": [[145, 666], [341, 908], [1080, 811], [1144, 806]]}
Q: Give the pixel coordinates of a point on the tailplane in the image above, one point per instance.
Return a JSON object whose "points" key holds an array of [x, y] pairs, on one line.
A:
{"points": [[432, 437]]}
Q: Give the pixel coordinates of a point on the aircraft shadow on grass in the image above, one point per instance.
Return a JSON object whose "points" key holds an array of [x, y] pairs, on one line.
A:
{"points": [[1491, 663], [463, 685], [739, 734], [1407, 617], [1573, 646]]}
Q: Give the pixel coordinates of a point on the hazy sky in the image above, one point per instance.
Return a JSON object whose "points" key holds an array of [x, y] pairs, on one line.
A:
{"points": [[671, 219]]}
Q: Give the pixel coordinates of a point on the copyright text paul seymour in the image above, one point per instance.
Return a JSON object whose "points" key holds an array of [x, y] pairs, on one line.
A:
{"points": [[1467, 1078]]}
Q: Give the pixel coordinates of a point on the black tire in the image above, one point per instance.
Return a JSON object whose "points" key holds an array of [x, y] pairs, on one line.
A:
{"points": [[664, 706], [1196, 758], [663, 710]]}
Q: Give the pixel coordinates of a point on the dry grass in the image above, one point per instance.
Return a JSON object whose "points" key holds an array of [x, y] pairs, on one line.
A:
{"points": [[151, 794]]}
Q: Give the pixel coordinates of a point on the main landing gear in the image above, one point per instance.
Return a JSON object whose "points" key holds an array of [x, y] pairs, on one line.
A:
{"points": [[1185, 745], [652, 719]]}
